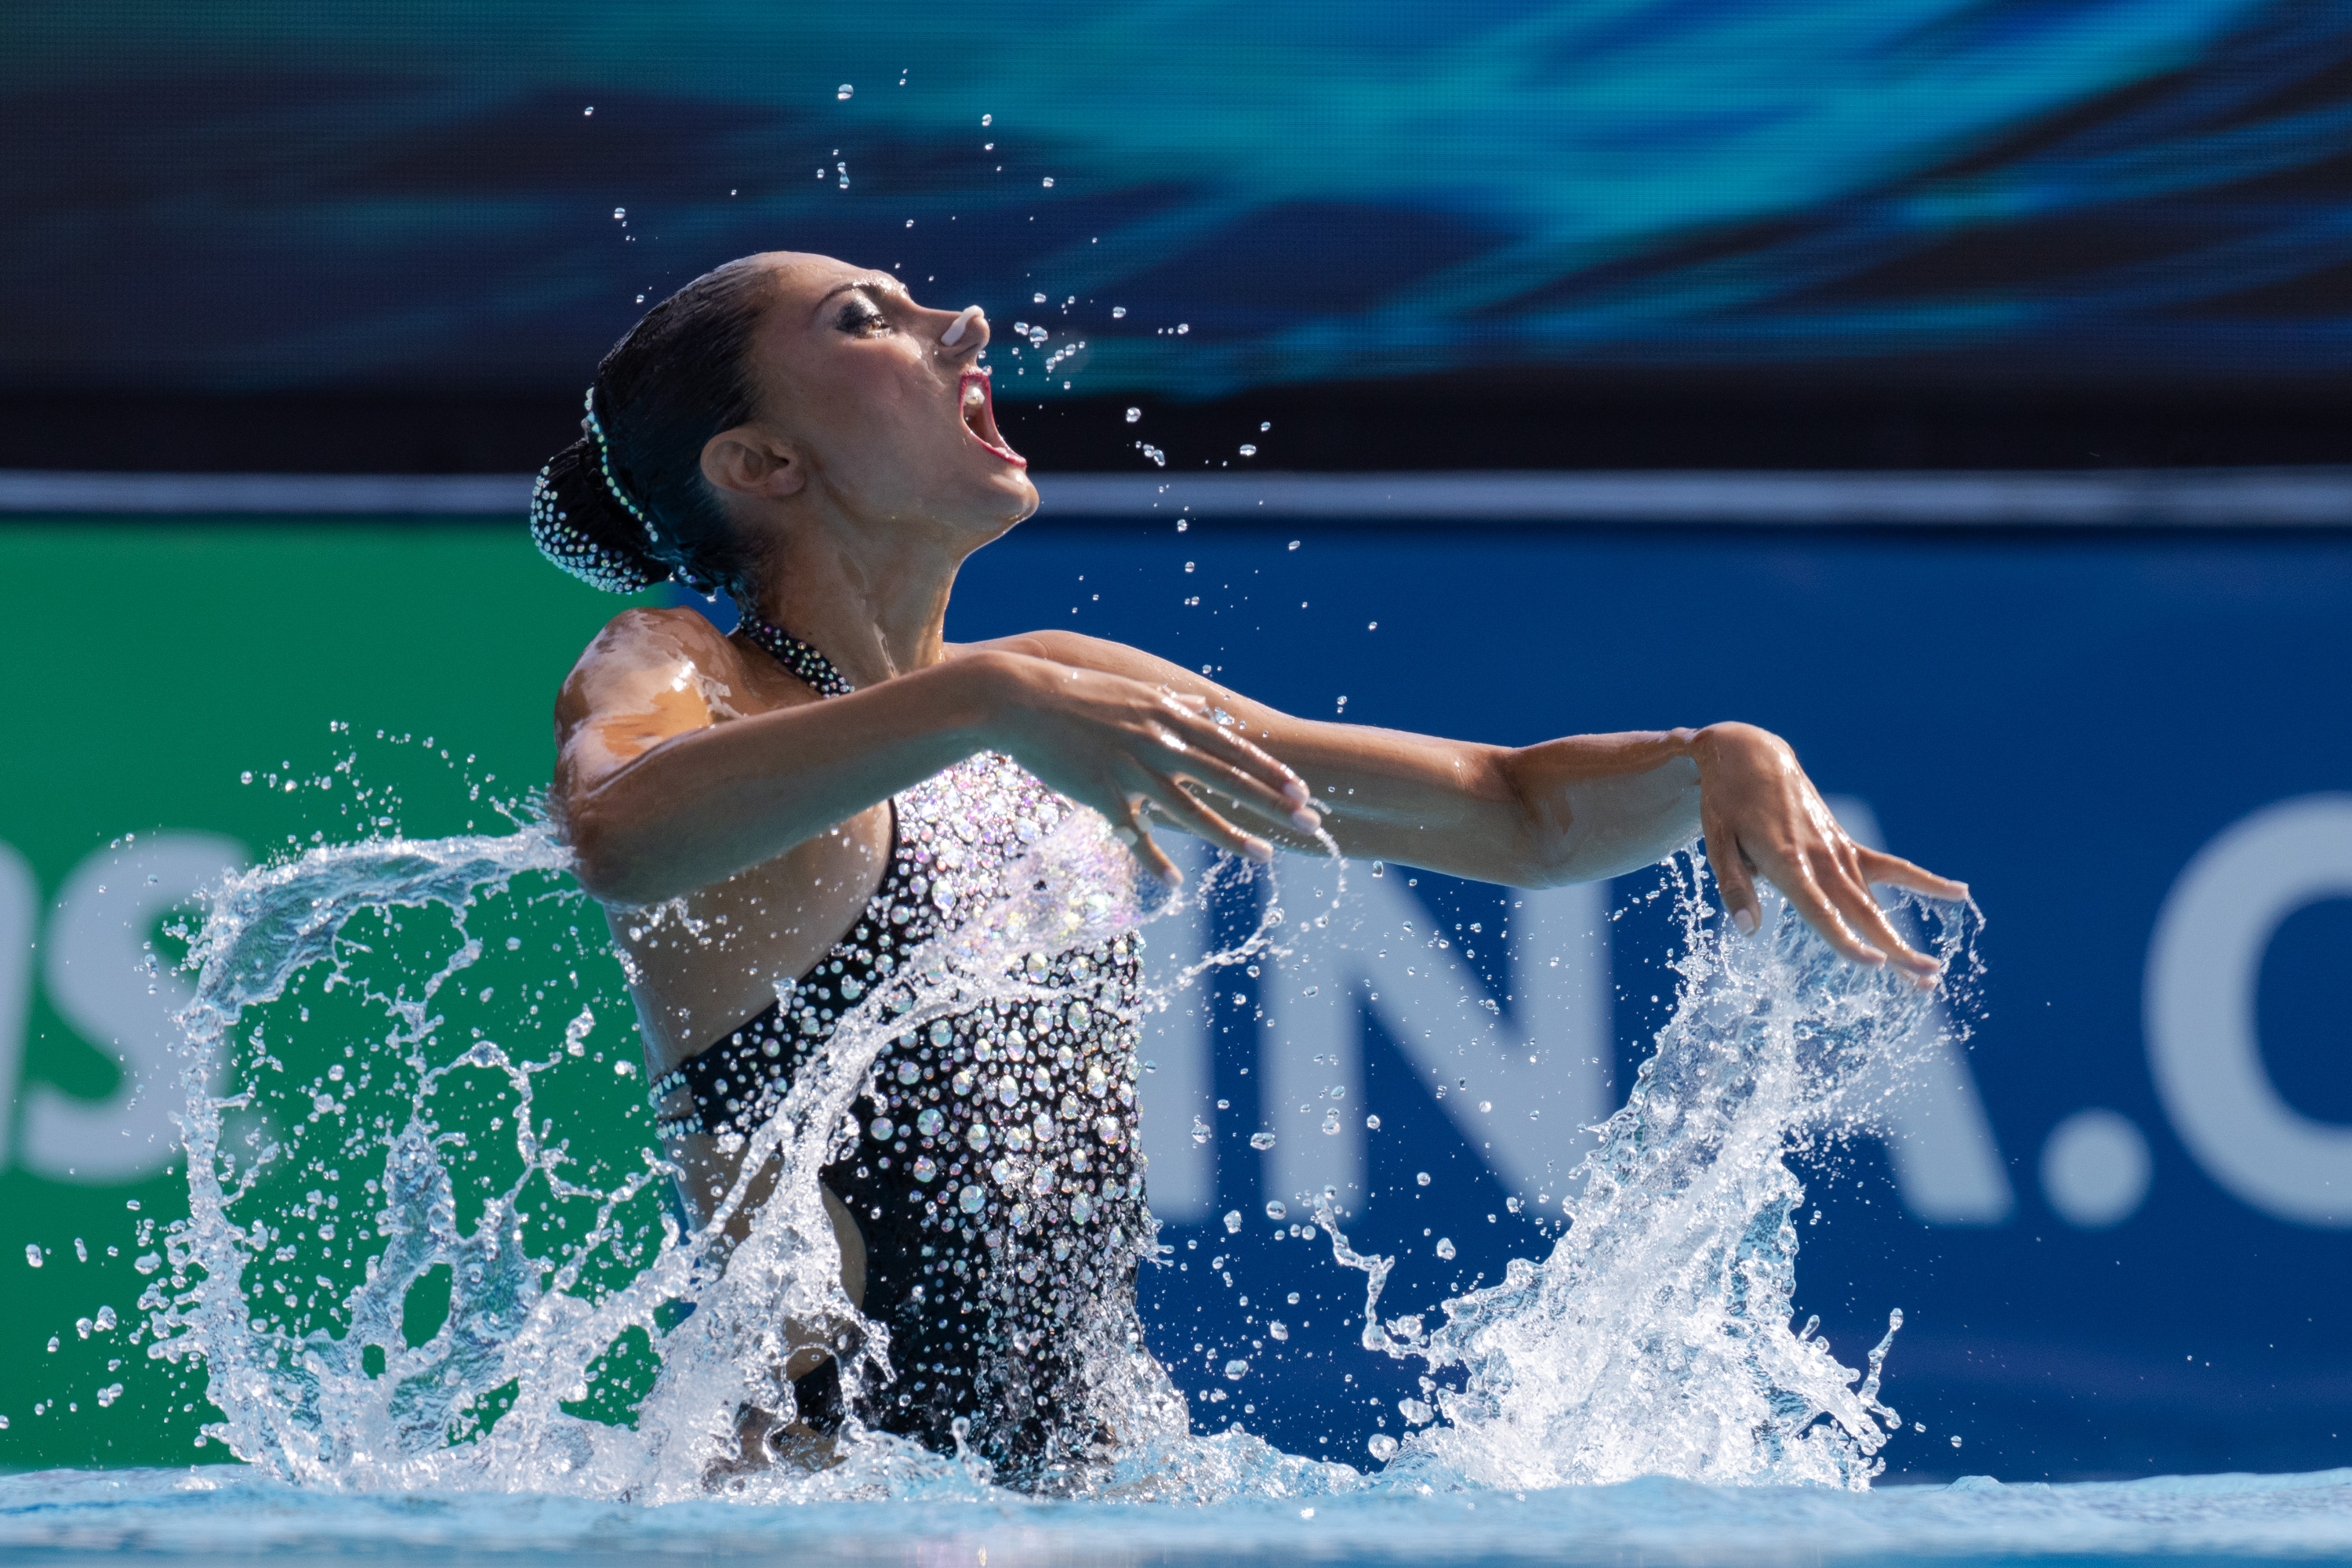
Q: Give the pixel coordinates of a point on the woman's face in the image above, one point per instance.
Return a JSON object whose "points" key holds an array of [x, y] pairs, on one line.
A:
{"points": [[891, 422]]}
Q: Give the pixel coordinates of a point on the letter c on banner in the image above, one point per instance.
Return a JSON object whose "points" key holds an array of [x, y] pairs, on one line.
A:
{"points": [[2202, 1043]]}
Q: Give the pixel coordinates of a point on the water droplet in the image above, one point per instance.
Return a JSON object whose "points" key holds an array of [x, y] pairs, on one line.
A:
{"points": [[1485, 1105], [1331, 1121], [1232, 1223], [1200, 1131], [971, 1199], [881, 1130], [1422, 1177], [1184, 327], [842, 92], [1956, 1439], [1236, 1370], [925, 1168], [1049, 182], [620, 211], [1133, 415], [1248, 450], [1261, 1141], [1264, 426], [1118, 312], [1382, 1445], [1445, 1247], [1275, 1208], [590, 110], [1372, 1123], [1278, 1329], [33, 1252], [987, 120]]}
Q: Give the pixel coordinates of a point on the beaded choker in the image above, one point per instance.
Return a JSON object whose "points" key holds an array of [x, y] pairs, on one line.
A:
{"points": [[797, 656]]}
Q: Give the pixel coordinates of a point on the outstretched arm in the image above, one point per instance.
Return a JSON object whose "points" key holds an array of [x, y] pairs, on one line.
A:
{"points": [[1569, 810], [672, 774]]}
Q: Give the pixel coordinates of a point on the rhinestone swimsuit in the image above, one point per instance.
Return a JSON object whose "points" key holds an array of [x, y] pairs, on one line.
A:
{"points": [[996, 1178]]}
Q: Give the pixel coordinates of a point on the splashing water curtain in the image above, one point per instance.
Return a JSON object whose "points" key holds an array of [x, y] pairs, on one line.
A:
{"points": [[1653, 1339]]}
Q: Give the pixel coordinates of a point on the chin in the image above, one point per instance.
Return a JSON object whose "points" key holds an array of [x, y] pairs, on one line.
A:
{"points": [[1021, 492]]}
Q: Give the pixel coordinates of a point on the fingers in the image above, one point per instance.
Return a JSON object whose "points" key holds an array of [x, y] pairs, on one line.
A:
{"points": [[1130, 830], [1187, 811], [1732, 880], [1843, 882], [1244, 770], [1895, 872], [1796, 883]]}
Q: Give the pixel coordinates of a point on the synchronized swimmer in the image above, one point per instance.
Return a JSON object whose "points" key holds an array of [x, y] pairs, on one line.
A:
{"points": [[834, 782]]}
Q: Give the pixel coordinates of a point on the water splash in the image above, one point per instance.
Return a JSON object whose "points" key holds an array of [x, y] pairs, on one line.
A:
{"points": [[1656, 1339], [593, 1345]]}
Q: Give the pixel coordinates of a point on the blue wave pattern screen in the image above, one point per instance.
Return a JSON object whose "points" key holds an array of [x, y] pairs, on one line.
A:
{"points": [[439, 196]]}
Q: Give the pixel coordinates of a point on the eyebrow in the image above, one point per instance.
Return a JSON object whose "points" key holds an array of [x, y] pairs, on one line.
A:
{"points": [[876, 285]]}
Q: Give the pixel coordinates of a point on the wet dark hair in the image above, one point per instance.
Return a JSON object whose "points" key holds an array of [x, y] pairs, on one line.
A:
{"points": [[627, 505]]}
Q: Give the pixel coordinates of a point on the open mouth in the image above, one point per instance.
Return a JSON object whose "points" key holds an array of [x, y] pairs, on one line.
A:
{"points": [[980, 417]]}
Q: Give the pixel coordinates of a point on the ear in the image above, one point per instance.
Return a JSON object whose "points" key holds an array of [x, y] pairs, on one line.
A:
{"points": [[749, 461]]}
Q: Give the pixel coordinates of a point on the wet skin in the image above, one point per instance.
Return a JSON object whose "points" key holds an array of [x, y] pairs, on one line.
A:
{"points": [[693, 767]]}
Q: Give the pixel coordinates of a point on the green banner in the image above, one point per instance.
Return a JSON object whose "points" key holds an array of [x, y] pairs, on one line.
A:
{"points": [[180, 692]]}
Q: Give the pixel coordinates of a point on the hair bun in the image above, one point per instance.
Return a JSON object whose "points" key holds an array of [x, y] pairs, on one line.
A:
{"points": [[577, 524]]}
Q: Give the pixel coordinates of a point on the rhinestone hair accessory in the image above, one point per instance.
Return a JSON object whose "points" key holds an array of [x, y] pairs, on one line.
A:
{"points": [[797, 656], [600, 565], [605, 468]]}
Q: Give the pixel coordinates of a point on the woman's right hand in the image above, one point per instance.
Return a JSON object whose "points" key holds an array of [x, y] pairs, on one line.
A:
{"points": [[1127, 748]]}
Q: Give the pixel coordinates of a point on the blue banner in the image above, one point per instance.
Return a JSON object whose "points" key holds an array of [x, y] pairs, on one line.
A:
{"points": [[2113, 1217]]}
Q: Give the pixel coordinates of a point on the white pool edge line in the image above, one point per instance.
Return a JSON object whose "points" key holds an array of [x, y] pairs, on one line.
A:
{"points": [[2288, 497]]}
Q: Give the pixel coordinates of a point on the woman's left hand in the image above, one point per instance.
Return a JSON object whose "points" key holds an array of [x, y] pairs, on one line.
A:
{"points": [[1762, 817]]}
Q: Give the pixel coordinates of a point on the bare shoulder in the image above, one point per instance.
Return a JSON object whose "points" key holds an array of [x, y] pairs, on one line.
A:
{"points": [[648, 676], [642, 649]]}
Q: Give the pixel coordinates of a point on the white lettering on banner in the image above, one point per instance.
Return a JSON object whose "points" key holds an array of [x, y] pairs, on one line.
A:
{"points": [[1947, 1166], [1181, 1174], [20, 897], [1543, 1070], [2203, 1043], [104, 982]]}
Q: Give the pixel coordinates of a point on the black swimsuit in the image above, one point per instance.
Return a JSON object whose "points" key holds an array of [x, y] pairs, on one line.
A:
{"points": [[996, 1178]]}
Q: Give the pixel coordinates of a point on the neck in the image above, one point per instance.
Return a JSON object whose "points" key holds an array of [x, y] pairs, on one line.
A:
{"points": [[875, 607]]}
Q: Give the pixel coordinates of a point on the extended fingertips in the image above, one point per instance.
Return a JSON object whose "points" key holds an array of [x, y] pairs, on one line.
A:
{"points": [[1745, 919]]}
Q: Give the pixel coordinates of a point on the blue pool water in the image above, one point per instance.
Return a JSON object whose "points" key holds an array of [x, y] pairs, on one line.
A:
{"points": [[219, 1514]]}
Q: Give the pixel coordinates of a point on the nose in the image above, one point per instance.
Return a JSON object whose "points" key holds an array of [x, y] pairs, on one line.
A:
{"points": [[967, 334]]}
